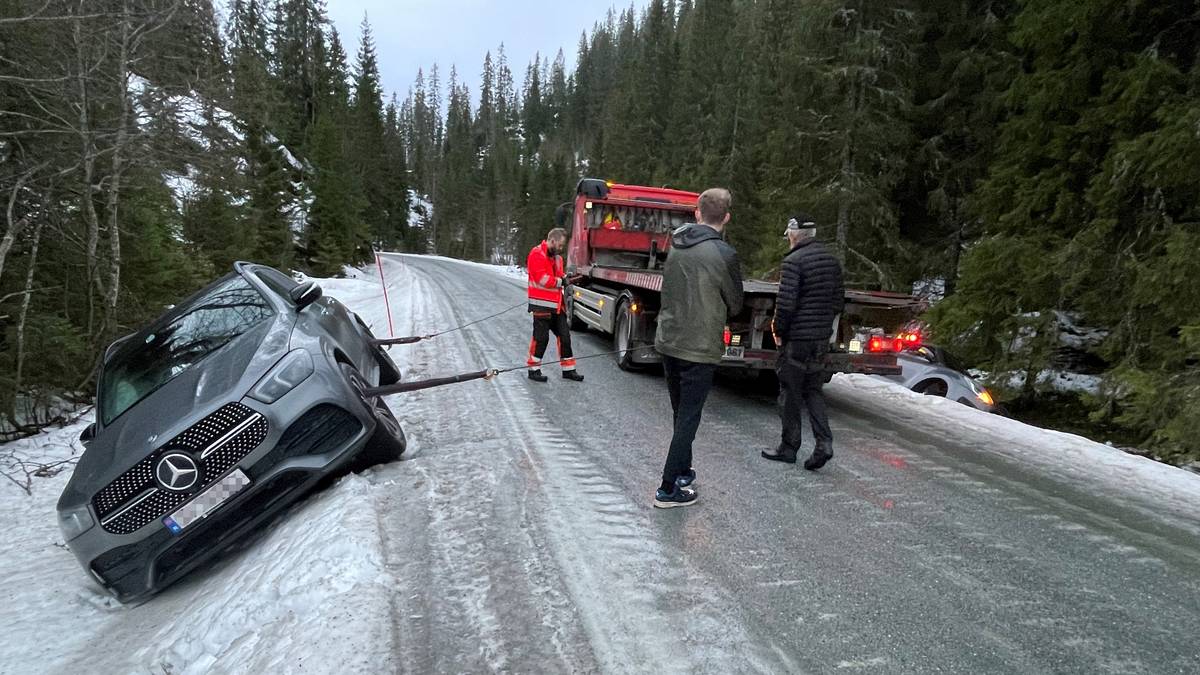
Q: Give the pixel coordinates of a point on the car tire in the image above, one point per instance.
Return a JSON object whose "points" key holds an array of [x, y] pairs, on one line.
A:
{"points": [[388, 442]]}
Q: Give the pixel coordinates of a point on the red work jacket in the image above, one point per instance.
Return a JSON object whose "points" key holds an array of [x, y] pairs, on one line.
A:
{"points": [[545, 279]]}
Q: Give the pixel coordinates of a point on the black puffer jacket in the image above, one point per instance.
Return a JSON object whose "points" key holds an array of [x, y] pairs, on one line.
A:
{"points": [[811, 293]]}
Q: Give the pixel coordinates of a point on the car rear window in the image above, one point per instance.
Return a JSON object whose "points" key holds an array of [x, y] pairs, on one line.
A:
{"points": [[208, 323]]}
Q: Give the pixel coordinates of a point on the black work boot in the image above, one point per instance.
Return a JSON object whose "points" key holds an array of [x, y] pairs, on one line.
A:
{"points": [[821, 454], [572, 375], [780, 454], [537, 376]]}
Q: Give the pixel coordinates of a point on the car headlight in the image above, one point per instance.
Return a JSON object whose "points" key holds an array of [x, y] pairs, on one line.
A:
{"points": [[284, 377], [981, 393], [74, 522]]}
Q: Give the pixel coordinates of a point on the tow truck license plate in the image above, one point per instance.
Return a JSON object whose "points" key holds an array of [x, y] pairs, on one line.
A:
{"points": [[207, 501], [735, 352]]}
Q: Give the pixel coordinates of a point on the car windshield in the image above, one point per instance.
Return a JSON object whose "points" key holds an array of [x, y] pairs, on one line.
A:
{"points": [[210, 322], [952, 361]]}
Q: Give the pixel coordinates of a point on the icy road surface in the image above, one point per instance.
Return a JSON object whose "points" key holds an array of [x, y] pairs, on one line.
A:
{"points": [[518, 536]]}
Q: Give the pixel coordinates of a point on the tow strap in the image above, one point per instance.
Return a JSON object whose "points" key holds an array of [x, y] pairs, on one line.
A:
{"points": [[405, 387], [418, 338]]}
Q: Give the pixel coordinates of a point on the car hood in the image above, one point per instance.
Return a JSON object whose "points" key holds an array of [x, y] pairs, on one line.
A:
{"points": [[225, 375]]}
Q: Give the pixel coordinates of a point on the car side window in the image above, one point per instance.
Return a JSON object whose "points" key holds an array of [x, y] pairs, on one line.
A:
{"points": [[277, 282]]}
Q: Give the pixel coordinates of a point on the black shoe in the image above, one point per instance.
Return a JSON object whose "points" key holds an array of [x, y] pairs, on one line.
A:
{"points": [[818, 459], [537, 376], [687, 479], [677, 497], [780, 455], [572, 375]]}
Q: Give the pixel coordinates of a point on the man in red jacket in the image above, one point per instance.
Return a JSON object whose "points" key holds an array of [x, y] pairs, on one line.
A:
{"points": [[546, 282]]}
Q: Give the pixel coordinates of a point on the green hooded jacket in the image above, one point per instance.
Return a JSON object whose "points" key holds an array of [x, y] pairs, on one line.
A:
{"points": [[702, 289]]}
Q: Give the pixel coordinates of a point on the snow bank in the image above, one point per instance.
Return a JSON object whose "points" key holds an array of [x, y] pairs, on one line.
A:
{"points": [[1152, 484], [507, 271], [1062, 381]]}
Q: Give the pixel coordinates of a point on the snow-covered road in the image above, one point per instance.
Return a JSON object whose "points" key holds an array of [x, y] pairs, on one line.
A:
{"points": [[517, 536]]}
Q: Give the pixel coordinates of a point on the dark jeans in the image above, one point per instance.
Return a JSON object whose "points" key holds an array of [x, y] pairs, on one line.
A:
{"points": [[801, 376], [688, 384]]}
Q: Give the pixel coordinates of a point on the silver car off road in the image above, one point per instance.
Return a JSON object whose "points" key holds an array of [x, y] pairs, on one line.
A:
{"points": [[215, 417]]}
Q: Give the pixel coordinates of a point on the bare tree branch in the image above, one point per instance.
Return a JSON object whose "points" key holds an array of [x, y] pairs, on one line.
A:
{"points": [[37, 16], [883, 276], [10, 296], [14, 226]]}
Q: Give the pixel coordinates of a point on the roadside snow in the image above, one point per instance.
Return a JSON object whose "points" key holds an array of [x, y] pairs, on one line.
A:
{"points": [[1112, 471], [507, 271], [1061, 381]]}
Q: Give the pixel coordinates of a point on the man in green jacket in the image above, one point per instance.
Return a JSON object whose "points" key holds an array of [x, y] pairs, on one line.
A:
{"points": [[702, 289]]}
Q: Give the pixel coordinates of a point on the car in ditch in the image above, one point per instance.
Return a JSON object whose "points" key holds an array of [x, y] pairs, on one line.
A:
{"points": [[933, 371], [215, 417]]}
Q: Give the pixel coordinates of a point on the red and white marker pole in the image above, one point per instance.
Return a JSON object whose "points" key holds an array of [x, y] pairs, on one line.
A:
{"points": [[386, 302]]}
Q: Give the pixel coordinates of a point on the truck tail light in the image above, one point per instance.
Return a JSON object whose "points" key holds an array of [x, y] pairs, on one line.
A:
{"points": [[880, 343], [728, 336]]}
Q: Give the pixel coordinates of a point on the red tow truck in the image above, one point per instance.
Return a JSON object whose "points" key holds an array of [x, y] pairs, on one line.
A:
{"points": [[620, 236]]}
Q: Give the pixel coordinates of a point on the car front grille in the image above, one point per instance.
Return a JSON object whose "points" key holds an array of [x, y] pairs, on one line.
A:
{"points": [[217, 443], [320, 430]]}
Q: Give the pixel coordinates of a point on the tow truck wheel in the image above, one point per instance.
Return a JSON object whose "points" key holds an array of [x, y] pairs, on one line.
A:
{"points": [[623, 338]]}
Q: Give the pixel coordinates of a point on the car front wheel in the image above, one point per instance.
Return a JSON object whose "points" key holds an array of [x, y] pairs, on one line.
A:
{"points": [[388, 442]]}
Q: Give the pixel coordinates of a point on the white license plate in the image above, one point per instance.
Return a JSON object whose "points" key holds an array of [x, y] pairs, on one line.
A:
{"points": [[735, 352], [207, 502], [856, 346]]}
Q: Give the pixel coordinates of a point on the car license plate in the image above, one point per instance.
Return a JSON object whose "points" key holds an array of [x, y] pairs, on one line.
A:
{"points": [[207, 502], [735, 352], [856, 346]]}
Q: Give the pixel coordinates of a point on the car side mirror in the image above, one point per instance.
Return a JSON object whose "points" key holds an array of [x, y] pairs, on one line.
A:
{"points": [[305, 294], [88, 435]]}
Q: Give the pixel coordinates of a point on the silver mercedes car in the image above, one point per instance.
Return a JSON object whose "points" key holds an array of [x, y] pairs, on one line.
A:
{"points": [[216, 416]]}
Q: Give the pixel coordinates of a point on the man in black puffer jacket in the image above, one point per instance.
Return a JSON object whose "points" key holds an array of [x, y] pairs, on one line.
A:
{"points": [[811, 297]]}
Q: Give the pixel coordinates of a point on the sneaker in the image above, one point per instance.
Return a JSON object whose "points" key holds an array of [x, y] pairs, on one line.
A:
{"points": [[780, 455], [818, 459], [677, 497], [686, 479], [537, 376], [572, 375]]}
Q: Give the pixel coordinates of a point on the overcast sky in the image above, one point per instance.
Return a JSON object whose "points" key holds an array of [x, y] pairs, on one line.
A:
{"points": [[412, 34]]}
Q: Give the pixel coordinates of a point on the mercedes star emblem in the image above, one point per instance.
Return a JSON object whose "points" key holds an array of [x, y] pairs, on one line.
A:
{"points": [[177, 472]]}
